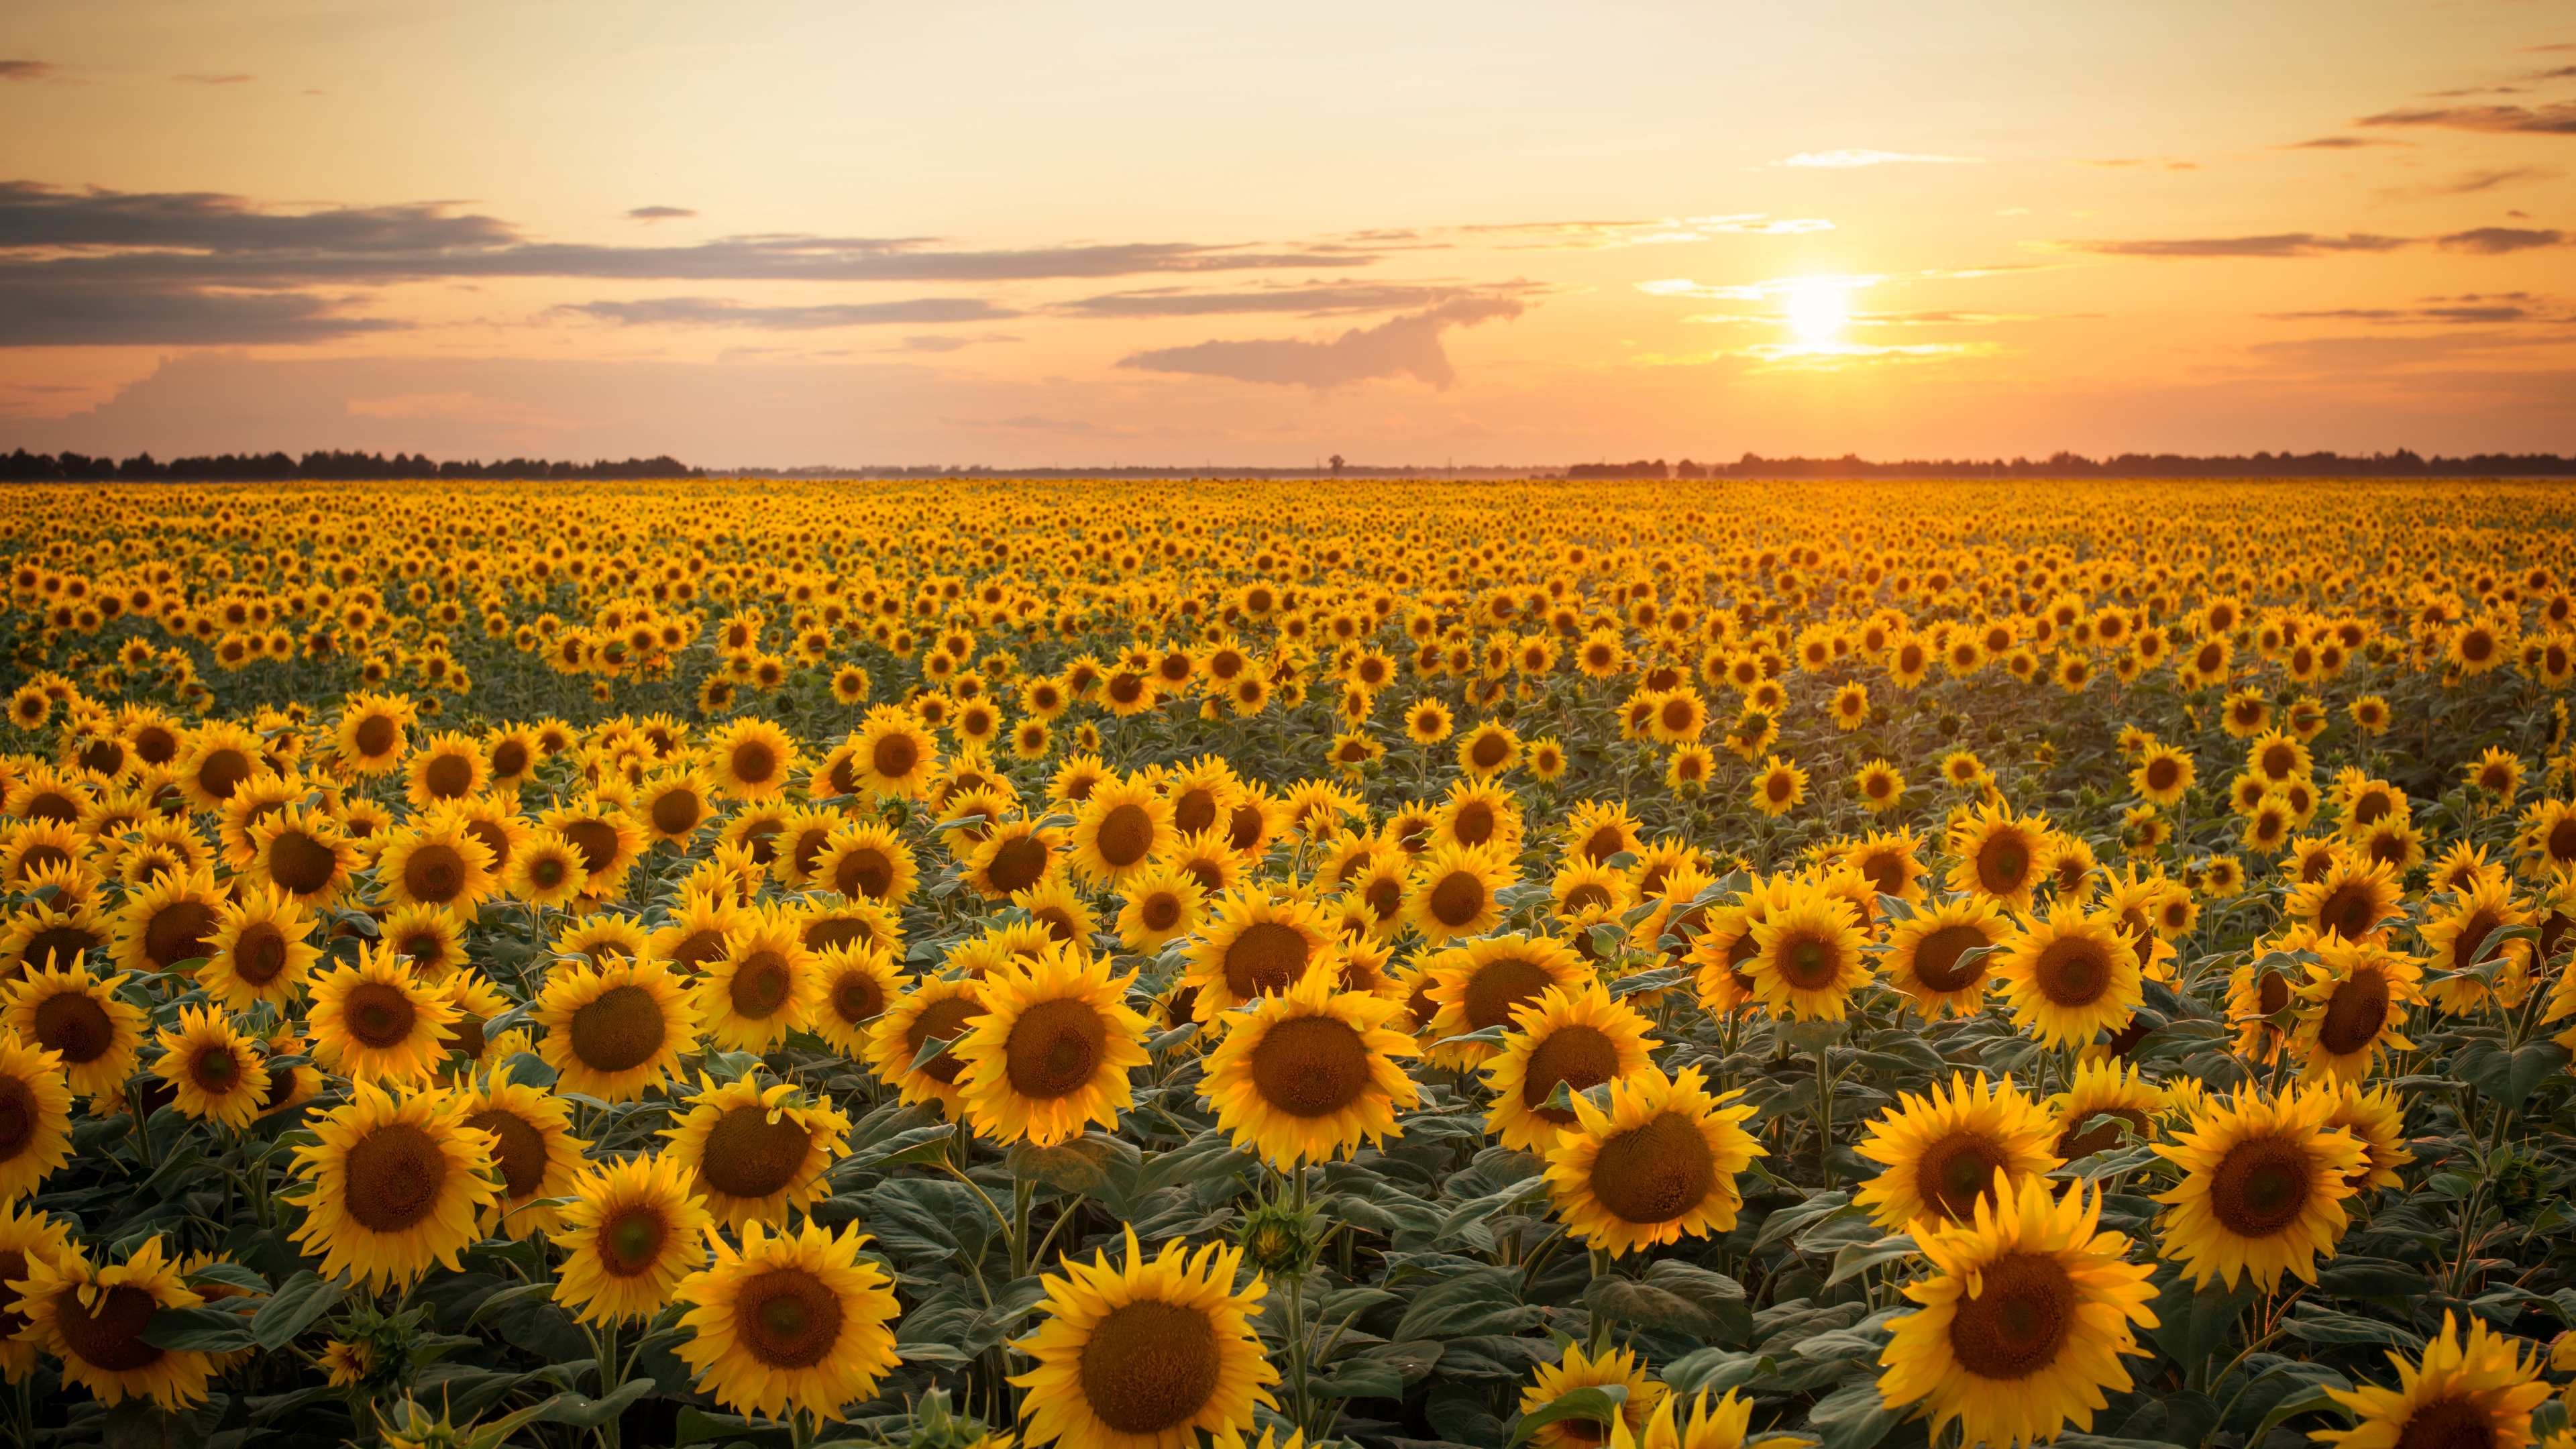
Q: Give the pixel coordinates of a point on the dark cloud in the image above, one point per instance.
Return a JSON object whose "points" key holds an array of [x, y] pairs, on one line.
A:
{"points": [[1402, 346], [716, 312], [27, 70], [2280, 244], [2465, 311], [1310, 300], [2496, 240], [658, 213], [118, 317], [2554, 119]]}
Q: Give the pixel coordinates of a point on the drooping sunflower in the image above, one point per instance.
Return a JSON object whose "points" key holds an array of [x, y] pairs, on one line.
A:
{"points": [[1481, 983], [857, 982], [96, 1033], [35, 1117], [1999, 855], [757, 1151], [762, 987], [933, 1010], [2352, 1009], [1579, 1370], [1943, 1151], [1257, 945], [634, 1229], [2356, 900], [1453, 889], [791, 1323], [2263, 1188], [1658, 1163], [375, 1020], [2472, 1389], [1052, 1052], [1808, 956], [92, 1318], [394, 1186], [1307, 1074], [1147, 1354], [2069, 975], [2023, 1323], [1580, 1038], [215, 1071], [1922, 957], [614, 1030]]}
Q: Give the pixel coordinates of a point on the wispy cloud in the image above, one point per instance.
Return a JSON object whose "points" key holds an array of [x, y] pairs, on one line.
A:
{"points": [[2276, 244], [2553, 119], [2497, 240], [2340, 143], [651, 214], [1402, 346], [2469, 309], [28, 70], [1331, 299], [1837, 160], [717, 312]]}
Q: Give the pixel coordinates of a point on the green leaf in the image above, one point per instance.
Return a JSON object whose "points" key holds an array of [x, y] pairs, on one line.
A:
{"points": [[1854, 1416], [1644, 981], [1486, 1301], [1852, 1258], [578, 1410], [2192, 1324], [2318, 1325], [1646, 1306], [232, 1275], [294, 1308], [2308, 1401], [1483, 1036], [1598, 1403], [515, 1293], [1361, 1378], [920, 1145], [1081, 1166], [2509, 1077], [199, 1330]]}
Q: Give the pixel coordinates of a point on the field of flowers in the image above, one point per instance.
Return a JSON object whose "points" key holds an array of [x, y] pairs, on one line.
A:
{"points": [[1414, 964]]}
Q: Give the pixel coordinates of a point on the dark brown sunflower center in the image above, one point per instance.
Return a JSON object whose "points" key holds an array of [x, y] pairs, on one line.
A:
{"points": [[74, 1024], [301, 864], [110, 1335], [2448, 1424], [1489, 752], [178, 931], [863, 871], [2261, 1186], [2473, 934], [20, 1118], [1159, 911], [1126, 833], [1309, 1066], [435, 873], [1150, 1366], [448, 776], [1936, 958], [522, 1153], [620, 1031], [676, 812], [1458, 899], [394, 1176], [1579, 1056], [379, 1015], [1809, 963], [894, 756], [1657, 1172], [222, 772], [595, 841], [942, 1019], [2019, 1324], [215, 1071], [631, 1239], [2003, 863], [749, 1156], [2350, 910], [760, 985], [1957, 1171], [1267, 958], [1499, 986], [856, 996], [1019, 862], [2075, 971], [2355, 1012], [754, 762], [1474, 823], [1054, 1048], [787, 1318], [374, 735], [510, 759]]}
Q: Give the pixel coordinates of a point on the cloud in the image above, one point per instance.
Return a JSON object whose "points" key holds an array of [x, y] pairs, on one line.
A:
{"points": [[658, 213], [717, 312], [28, 70], [1841, 159], [2497, 240], [1331, 299], [2553, 119], [2279, 244], [1408, 346], [2472, 309], [215, 80], [123, 317], [2338, 143], [2472, 182]]}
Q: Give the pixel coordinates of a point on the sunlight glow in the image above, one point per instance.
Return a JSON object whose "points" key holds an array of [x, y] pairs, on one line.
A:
{"points": [[1815, 312]]}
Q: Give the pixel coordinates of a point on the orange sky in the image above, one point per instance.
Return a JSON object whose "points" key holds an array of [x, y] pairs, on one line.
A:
{"points": [[1024, 234]]}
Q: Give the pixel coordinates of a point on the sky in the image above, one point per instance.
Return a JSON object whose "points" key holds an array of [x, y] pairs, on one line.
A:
{"points": [[1021, 234]]}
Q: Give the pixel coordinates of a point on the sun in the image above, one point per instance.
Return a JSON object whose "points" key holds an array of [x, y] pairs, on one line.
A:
{"points": [[1815, 311]]}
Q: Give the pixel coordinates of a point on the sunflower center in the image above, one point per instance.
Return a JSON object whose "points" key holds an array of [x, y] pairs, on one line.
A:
{"points": [[1194, 810], [2162, 772], [1150, 1365], [1266, 959], [1458, 899], [2003, 863], [380, 1016], [1936, 958], [620, 1031], [1958, 1171], [1500, 986], [215, 1071], [109, 1336], [20, 1116], [1657, 1172], [894, 756], [301, 864], [749, 1156], [74, 1024], [223, 772], [1385, 897], [510, 759], [178, 931], [522, 1153], [1159, 911], [394, 1176], [1579, 1056], [760, 985], [754, 762], [2448, 1424], [1809, 963], [448, 776], [2562, 840], [1017, 864], [373, 736], [941, 1019], [631, 1240], [2072, 1144], [2350, 911], [676, 812], [2355, 1012], [1474, 823], [2473, 934], [2261, 1186], [2018, 1325], [1125, 834], [1310, 1066], [856, 997], [865, 871], [1054, 1048], [787, 1318], [435, 873], [595, 841], [1489, 752], [2073, 972]]}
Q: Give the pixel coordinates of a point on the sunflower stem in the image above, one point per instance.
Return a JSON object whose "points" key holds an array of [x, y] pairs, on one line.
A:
{"points": [[605, 1346], [1824, 1120], [1022, 1190]]}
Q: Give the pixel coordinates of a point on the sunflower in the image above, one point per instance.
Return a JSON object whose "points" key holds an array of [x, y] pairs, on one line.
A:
{"points": [[1808, 956], [2467, 1389], [615, 1029], [1147, 1354], [633, 1230], [2351, 1009], [92, 1319], [1999, 855], [252, 801], [2023, 1322], [752, 758], [169, 921], [2376, 1118], [2101, 1088], [1488, 750], [1201, 792], [304, 854], [1578, 1370], [431, 938], [2453, 938], [1659, 1162], [605, 838], [1922, 953], [97, 1033], [1482, 983], [892, 754], [1475, 813], [438, 865], [2262, 1191], [1013, 856], [792, 1323], [393, 1186], [1452, 891], [761, 987], [370, 737], [1581, 1038], [1307, 1074], [1052, 1051], [1943, 1151], [449, 767], [214, 1071], [1121, 829], [220, 757], [868, 862], [934, 1009], [25, 1238], [757, 1152], [2162, 775], [374, 1020], [1161, 905], [1778, 787], [35, 1117], [534, 1153], [2068, 975], [675, 804], [2355, 900], [1257, 945]]}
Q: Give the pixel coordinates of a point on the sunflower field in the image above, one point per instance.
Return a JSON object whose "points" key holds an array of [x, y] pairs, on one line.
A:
{"points": [[1415, 965]]}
